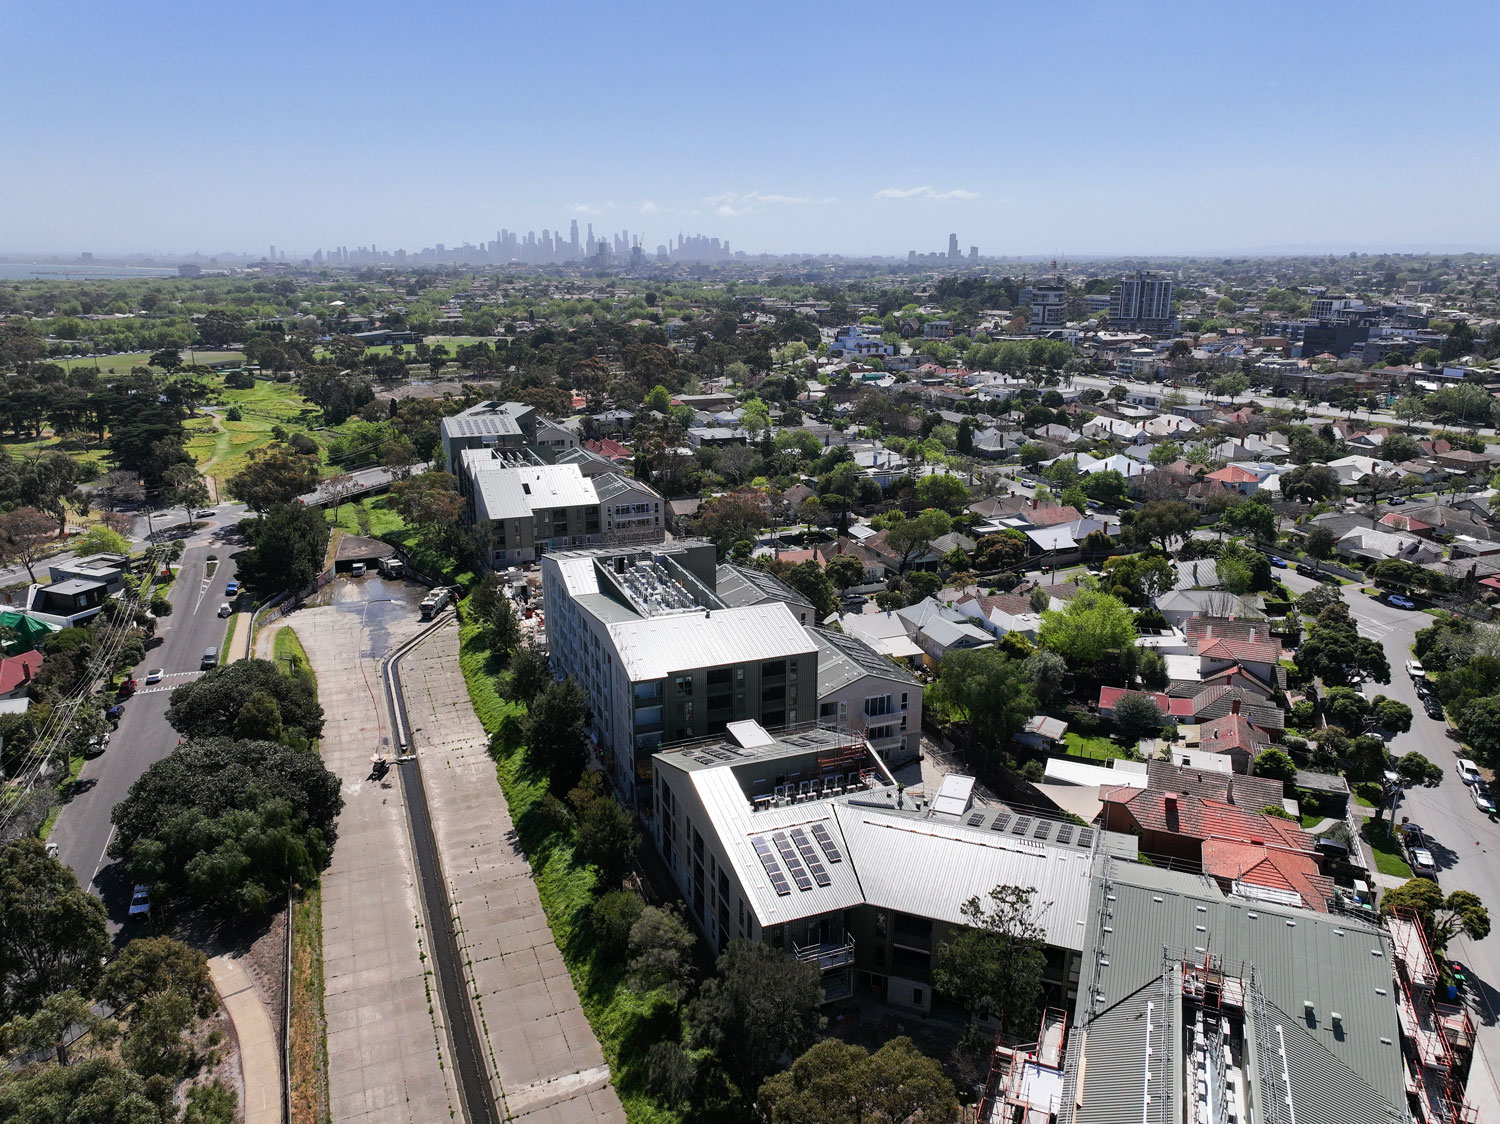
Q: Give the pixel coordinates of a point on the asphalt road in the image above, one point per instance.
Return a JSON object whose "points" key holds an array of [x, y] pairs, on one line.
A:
{"points": [[1465, 841], [82, 831]]}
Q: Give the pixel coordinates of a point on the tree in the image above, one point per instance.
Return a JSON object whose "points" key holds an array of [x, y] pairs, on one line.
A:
{"points": [[1108, 487], [101, 540], [1162, 522], [988, 690], [1137, 715], [287, 548], [1231, 386], [1398, 447], [994, 966], [1310, 483], [24, 533], [65, 1019], [100, 1090], [606, 839], [183, 487], [1031, 454], [214, 1103], [52, 932], [945, 491], [554, 731], [731, 518], [260, 720], [1276, 764], [910, 538], [1251, 516], [228, 825], [844, 570], [271, 476], [491, 606], [840, 1083], [1047, 672], [529, 672], [150, 966], [661, 953], [965, 440], [1389, 714], [762, 1004], [1442, 917], [1091, 625], [809, 579], [1319, 544], [1007, 550], [1479, 722], [1140, 578], [211, 706], [1414, 769], [1333, 647], [658, 400]]}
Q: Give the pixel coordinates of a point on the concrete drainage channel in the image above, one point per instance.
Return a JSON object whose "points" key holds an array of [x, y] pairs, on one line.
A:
{"points": [[468, 1060]]}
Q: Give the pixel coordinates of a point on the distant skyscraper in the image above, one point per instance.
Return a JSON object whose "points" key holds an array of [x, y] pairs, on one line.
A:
{"points": [[573, 241], [952, 247], [973, 253], [273, 251]]}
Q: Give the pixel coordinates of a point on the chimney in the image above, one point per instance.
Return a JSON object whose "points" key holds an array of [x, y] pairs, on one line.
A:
{"points": [[25, 671], [1234, 706], [1033, 503], [1171, 803]]}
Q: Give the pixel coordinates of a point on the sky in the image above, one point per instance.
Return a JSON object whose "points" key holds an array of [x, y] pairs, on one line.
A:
{"points": [[1052, 129]]}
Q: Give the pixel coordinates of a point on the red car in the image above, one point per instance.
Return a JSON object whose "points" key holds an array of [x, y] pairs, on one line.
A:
{"points": [[127, 688]]}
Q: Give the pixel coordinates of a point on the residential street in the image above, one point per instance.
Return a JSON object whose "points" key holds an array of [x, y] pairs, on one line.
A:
{"points": [[1465, 840], [82, 830]]}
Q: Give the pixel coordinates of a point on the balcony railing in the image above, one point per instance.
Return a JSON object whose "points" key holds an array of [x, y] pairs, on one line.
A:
{"points": [[826, 954]]}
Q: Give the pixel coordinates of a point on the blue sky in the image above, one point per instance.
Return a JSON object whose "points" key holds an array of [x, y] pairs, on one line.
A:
{"points": [[1068, 127]]}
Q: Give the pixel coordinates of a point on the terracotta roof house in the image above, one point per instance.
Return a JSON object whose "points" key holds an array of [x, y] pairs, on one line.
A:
{"points": [[1228, 861], [1109, 698], [1234, 737], [1225, 787]]}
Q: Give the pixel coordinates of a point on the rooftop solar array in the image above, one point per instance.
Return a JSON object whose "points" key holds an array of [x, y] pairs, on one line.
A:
{"points": [[820, 833], [1086, 837], [975, 819], [793, 863], [1043, 827], [1001, 822], [810, 857], [1021, 825], [1065, 833], [768, 860]]}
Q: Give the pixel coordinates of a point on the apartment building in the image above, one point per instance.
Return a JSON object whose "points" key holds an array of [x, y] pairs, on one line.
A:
{"points": [[802, 838], [861, 691], [505, 426], [1142, 302], [664, 658]]}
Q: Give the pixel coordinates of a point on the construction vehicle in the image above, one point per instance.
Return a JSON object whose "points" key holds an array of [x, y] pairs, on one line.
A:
{"points": [[435, 601], [392, 567]]}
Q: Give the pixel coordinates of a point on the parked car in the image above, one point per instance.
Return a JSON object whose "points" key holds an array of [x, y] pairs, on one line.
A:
{"points": [[1306, 570], [1415, 670], [1482, 800], [225, 610], [1468, 771], [206, 513], [154, 675], [115, 712], [1396, 601], [140, 903], [1278, 562], [126, 689], [1423, 865], [1433, 708], [231, 588]]}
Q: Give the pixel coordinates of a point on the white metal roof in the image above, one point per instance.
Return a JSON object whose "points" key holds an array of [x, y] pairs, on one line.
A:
{"points": [[954, 795], [656, 647]]}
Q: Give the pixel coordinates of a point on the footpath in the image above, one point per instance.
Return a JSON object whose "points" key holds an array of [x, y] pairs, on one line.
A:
{"points": [[260, 1051], [545, 1062], [388, 1059]]}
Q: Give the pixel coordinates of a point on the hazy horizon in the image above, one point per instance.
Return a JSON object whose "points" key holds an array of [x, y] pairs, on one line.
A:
{"points": [[1089, 130]]}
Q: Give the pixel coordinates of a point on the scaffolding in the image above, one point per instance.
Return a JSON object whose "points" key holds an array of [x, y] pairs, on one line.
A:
{"points": [[1439, 1035], [1026, 1079]]}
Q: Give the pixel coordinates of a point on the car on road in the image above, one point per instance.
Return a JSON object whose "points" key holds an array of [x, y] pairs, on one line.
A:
{"points": [[1433, 708], [1396, 601], [1423, 865], [1482, 800], [140, 903], [225, 609], [1278, 562], [231, 588], [154, 675], [1468, 771], [126, 688], [206, 513], [115, 712], [1415, 670]]}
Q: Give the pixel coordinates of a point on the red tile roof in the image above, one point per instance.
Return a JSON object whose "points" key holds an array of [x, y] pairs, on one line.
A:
{"points": [[1270, 867], [1233, 475], [1250, 651], [1051, 516], [16, 670], [1196, 818], [1230, 732], [1109, 698], [1225, 628]]}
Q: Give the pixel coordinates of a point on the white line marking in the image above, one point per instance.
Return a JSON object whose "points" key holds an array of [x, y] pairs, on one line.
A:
{"points": [[102, 854]]}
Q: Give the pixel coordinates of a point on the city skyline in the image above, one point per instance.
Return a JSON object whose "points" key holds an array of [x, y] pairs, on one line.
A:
{"points": [[225, 132]]}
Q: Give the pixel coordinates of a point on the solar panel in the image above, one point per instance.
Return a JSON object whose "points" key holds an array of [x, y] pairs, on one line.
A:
{"points": [[820, 833], [975, 818], [1043, 829], [1086, 837], [1065, 833], [810, 857], [793, 863], [1001, 822], [768, 860], [1021, 825]]}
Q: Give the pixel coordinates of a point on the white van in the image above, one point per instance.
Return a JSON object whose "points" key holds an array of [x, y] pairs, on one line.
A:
{"points": [[357, 570]]}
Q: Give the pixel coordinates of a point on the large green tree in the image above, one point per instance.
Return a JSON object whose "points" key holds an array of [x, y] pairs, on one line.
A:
{"points": [[554, 733], [1443, 916], [287, 548], [210, 706], [994, 965], [987, 689], [1092, 625], [52, 932], [271, 476], [837, 1082], [1163, 522]]}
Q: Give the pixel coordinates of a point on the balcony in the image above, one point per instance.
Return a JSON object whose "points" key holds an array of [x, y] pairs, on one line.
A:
{"points": [[827, 955]]}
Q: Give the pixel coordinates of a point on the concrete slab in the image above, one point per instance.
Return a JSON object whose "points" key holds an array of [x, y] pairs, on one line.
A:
{"points": [[547, 1060], [387, 1053], [260, 1051]]}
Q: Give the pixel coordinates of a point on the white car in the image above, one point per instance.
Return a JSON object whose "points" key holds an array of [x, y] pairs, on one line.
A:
{"points": [[1423, 865], [1482, 801], [1415, 670], [140, 903], [154, 675], [225, 610]]}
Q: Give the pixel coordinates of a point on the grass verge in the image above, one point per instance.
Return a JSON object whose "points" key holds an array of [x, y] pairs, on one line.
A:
{"points": [[625, 1022], [290, 655], [1385, 848], [309, 1032]]}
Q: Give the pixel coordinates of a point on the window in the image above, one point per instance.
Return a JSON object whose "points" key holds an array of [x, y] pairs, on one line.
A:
{"points": [[773, 669], [916, 997], [718, 677], [684, 686]]}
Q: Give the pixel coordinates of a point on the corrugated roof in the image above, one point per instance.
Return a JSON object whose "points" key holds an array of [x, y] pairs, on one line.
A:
{"points": [[655, 647], [842, 659], [1349, 1073], [741, 585]]}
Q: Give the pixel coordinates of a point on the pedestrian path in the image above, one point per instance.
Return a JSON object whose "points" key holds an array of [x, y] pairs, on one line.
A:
{"points": [[260, 1052], [546, 1063]]}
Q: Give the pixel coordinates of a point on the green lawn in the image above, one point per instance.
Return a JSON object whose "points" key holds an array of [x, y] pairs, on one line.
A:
{"points": [[1385, 848], [287, 651], [1097, 748], [221, 447], [1311, 820], [122, 364]]}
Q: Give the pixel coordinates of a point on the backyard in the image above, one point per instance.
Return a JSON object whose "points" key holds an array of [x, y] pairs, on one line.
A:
{"points": [[1386, 848]]}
